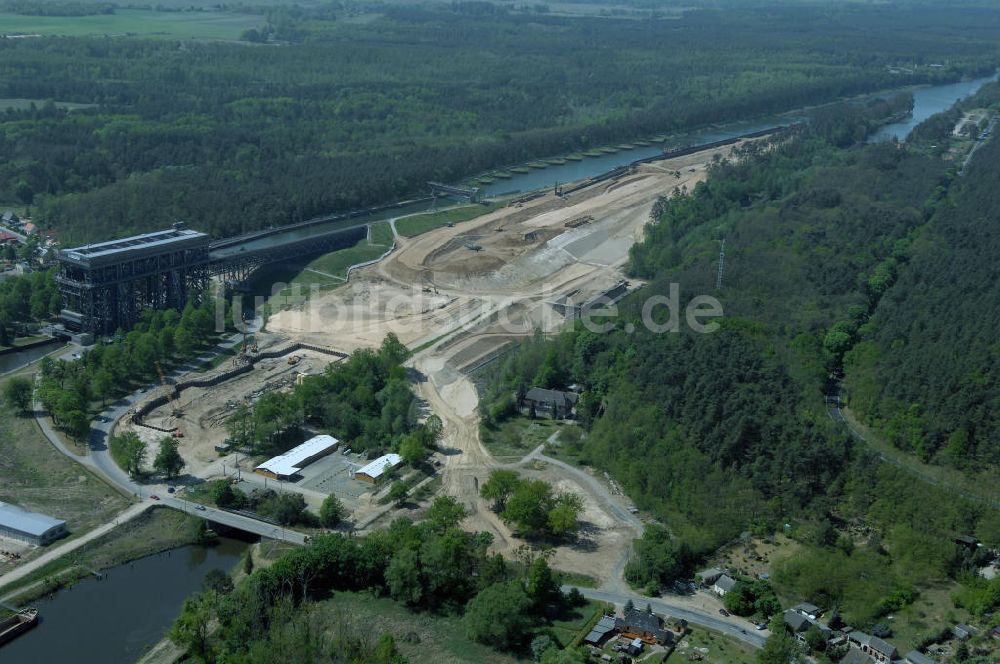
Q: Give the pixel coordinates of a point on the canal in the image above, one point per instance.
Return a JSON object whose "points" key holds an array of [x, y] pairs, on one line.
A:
{"points": [[928, 101], [118, 618], [14, 361]]}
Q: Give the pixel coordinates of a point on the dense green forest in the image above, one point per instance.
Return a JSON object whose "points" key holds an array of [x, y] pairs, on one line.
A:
{"points": [[232, 138], [720, 433], [925, 369]]}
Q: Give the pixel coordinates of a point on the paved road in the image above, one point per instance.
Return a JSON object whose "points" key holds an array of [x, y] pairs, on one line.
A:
{"points": [[100, 461], [717, 622]]}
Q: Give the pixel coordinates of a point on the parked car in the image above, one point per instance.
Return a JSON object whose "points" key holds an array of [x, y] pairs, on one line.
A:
{"points": [[170, 489], [724, 612], [154, 497]]}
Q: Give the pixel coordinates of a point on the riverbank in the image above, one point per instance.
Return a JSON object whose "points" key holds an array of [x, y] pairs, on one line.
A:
{"points": [[138, 601], [157, 530]]}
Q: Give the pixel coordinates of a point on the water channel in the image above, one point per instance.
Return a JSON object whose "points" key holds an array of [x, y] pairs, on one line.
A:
{"points": [[14, 361], [116, 619], [928, 101]]}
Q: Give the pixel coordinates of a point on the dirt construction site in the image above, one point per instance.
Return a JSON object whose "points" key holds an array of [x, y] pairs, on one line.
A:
{"points": [[458, 296]]}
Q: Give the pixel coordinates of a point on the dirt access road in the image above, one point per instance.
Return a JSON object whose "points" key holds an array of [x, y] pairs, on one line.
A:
{"points": [[458, 294]]}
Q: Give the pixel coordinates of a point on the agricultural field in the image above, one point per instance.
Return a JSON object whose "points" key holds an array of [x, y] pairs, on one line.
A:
{"points": [[201, 25]]}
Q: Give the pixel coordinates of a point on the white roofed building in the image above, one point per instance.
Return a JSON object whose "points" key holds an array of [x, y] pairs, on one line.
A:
{"points": [[29, 527], [284, 466], [377, 468]]}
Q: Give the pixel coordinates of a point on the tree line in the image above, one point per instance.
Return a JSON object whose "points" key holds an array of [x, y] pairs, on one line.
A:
{"points": [[368, 112], [724, 433], [428, 566]]}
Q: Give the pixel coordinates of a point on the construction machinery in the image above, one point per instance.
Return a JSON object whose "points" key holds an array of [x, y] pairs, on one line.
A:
{"points": [[174, 410]]}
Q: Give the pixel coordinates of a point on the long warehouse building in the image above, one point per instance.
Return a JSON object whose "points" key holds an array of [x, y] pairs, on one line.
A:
{"points": [[285, 466], [29, 527]]}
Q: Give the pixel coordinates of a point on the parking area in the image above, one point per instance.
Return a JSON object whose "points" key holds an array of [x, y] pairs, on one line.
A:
{"points": [[332, 474]]}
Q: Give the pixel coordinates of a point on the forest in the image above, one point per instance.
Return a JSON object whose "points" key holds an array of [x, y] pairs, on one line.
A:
{"points": [[717, 434], [286, 612], [232, 138], [924, 371]]}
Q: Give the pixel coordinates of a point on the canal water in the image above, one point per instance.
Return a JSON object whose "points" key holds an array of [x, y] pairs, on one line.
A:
{"points": [[927, 102], [591, 166], [117, 619], [14, 361]]}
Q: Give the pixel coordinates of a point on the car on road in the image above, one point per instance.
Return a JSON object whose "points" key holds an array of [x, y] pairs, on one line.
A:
{"points": [[170, 489], [154, 497], [724, 612], [200, 507]]}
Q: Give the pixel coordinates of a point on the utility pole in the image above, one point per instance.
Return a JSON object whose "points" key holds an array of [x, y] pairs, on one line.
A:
{"points": [[722, 265]]}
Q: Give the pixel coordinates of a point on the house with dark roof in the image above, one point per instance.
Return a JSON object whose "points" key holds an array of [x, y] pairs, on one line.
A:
{"points": [[807, 609], [604, 628], [800, 623], [873, 646], [643, 625], [995, 632], [855, 656], [723, 585], [795, 621], [962, 632], [710, 576], [552, 403], [917, 657], [968, 541]]}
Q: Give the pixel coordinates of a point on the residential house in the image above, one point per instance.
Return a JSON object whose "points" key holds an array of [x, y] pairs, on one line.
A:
{"points": [[552, 403], [710, 576], [30, 228], [917, 657], [808, 610], [796, 622], [968, 541], [723, 585], [855, 656], [995, 633], [799, 624], [643, 625], [962, 632], [873, 646], [601, 631]]}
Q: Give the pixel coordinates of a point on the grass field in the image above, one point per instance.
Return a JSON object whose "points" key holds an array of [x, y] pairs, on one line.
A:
{"points": [[34, 475], [206, 25], [428, 637], [713, 649], [421, 223], [324, 272], [516, 437]]}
